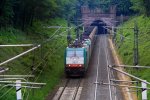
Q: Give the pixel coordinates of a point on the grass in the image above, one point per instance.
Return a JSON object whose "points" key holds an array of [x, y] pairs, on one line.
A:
{"points": [[47, 60], [125, 47]]}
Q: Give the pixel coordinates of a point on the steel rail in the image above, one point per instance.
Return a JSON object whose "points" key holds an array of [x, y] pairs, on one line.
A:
{"points": [[64, 88], [112, 74], [108, 70], [97, 72], [62, 91], [76, 91]]}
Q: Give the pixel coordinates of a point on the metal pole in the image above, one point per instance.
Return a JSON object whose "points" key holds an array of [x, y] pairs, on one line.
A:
{"points": [[136, 53], [16, 76], [123, 81], [124, 86], [129, 74], [1, 79], [83, 28], [3, 70], [69, 34], [132, 66], [18, 90], [121, 19], [19, 82], [57, 27], [17, 45], [114, 35], [13, 58], [144, 91]]}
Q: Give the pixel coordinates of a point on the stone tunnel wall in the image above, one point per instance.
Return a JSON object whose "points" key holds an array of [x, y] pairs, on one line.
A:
{"points": [[88, 16]]}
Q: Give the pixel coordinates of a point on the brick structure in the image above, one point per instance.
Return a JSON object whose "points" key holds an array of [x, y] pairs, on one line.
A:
{"points": [[88, 16]]}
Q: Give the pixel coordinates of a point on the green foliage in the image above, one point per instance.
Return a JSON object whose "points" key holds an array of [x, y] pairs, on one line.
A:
{"points": [[6, 12], [123, 7], [126, 49], [147, 7], [141, 6], [138, 5], [48, 60], [67, 8], [22, 13]]}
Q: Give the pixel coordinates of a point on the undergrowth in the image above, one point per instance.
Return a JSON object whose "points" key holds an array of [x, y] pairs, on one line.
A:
{"points": [[46, 63], [125, 46]]}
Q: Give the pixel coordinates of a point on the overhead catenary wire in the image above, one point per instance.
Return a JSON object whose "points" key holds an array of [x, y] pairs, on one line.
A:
{"points": [[28, 83], [29, 50], [16, 58], [13, 58], [2, 70], [52, 37], [119, 34], [23, 86], [6, 92], [45, 57], [13, 79], [38, 77], [130, 66], [125, 73], [125, 86], [16, 76], [41, 70]]}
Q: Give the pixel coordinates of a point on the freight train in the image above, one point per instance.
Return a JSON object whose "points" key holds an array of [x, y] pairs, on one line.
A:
{"points": [[77, 54]]}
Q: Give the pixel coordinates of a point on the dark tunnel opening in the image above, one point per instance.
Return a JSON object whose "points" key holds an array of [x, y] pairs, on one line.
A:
{"points": [[100, 24]]}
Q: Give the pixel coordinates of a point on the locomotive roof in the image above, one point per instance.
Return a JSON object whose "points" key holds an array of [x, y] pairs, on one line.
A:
{"points": [[71, 49]]}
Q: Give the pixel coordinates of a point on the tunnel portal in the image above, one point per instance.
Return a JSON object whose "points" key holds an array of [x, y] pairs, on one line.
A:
{"points": [[101, 26]]}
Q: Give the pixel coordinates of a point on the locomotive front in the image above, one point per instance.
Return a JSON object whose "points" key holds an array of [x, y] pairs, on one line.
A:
{"points": [[75, 61]]}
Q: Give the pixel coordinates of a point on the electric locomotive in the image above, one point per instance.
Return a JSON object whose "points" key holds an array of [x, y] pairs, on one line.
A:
{"points": [[77, 55]]}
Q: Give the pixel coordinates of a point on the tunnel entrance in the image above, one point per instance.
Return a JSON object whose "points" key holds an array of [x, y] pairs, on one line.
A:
{"points": [[100, 24]]}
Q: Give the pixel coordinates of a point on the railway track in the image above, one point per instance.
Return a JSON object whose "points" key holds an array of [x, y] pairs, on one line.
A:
{"points": [[70, 91]]}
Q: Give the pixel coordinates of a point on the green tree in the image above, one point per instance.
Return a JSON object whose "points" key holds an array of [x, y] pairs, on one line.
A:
{"points": [[141, 6], [123, 7], [147, 7], [6, 12], [138, 6]]}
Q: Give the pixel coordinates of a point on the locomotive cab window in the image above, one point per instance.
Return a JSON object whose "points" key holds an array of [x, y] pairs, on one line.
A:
{"points": [[75, 53], [70, 53], [79, 53]]}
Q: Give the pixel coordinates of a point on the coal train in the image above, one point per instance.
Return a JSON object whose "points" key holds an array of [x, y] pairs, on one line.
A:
{"points": [[77, 54]]}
